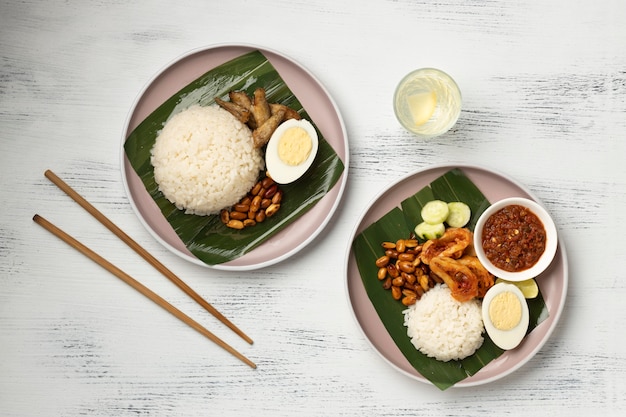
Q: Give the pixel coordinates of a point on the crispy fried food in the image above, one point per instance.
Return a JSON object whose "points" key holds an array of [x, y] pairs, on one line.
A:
{"points": [[242, 114], [485, 278], [260, 107], [451, 244], [262, 134], [261, 116], [289, 112], [241, 98], [462, 282]]}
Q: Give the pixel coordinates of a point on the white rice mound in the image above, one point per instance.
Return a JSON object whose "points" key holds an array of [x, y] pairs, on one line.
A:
{"points": [[443, 328], [204, 160]]}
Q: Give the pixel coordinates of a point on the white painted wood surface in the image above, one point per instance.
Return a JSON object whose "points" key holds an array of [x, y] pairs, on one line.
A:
{"points": [[544, 86]]}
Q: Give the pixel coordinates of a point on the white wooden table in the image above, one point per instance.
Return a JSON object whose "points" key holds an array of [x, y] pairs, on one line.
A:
{"points": [[544, 87]]}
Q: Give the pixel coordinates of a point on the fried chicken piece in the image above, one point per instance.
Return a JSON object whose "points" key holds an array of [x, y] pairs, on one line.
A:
{"points": [[242, 114], [260, 107], [289, 112], [241, 98], [459, 278], [452, 244], [262, 134], [485, 278]]}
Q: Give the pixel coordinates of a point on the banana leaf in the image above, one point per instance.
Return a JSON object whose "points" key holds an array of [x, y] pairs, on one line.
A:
{"points": [[205, 236], [399, 223]]}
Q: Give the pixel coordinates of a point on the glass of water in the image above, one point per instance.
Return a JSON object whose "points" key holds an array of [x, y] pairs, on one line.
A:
{"points": [[427, 102]]}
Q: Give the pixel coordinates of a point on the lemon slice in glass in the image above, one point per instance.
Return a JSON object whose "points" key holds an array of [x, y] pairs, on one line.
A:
{"points": [[528, 287], [422, 106]]}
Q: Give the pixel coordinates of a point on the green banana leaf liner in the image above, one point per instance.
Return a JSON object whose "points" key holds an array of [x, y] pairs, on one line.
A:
{"points": [[205, 236], [399, 223]]}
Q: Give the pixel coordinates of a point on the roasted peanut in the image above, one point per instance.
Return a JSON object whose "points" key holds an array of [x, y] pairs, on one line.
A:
{"points": [[392, 253], [419, 291], [411, 243], [409, 301], [410, 257], [235, 224], [237, 215], [409, 278], [398, 281], [393, 271], [423, 281], [278, 197], [271, 210], [404, 274], [253, 208], [257, 187], [224, 216], [242, 208], [382, 273], [267, 182], [406, 266], [260, 216], [387, 283], [409, 293], [255, 205], [271, 192], [382, 261], [396, 293]]}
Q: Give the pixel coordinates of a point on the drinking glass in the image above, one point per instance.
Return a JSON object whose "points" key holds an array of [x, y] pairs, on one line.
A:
{"points": [[427, 102]]}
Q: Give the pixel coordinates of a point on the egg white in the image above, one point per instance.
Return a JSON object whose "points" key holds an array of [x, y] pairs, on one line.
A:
{"points": [[281, 172], [505, 339]]}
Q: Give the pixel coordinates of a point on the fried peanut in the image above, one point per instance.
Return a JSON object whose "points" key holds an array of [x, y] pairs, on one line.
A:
{"points": [[261, 202]]}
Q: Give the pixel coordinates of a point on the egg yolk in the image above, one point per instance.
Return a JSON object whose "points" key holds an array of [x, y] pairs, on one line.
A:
{"points": [[294, 146], [505, 311]]}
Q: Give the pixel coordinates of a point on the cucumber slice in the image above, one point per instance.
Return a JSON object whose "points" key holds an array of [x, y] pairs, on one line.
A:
{"points": [[435, 212], [459, 214], [430, 231]]}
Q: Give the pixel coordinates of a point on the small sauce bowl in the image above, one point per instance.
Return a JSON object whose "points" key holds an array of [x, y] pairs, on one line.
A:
{"points": [[546, 257]]}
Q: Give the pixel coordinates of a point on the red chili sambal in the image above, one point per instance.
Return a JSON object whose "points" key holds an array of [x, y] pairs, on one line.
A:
{"points": [[514, 238]]}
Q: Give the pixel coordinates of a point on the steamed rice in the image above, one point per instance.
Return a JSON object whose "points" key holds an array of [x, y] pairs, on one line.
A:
{"points": [[204, 160], [443, 328]]}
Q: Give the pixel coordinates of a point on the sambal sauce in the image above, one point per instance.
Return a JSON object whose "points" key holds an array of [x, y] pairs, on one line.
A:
{"points": [[514, 238]]}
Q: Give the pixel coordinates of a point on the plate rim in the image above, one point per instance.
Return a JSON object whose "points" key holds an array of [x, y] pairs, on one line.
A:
{"points": [[342, 183], [467, 382]]}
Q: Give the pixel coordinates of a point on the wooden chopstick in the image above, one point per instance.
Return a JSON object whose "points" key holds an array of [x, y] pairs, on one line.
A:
{"points": [[138, 286], [142, 252]]}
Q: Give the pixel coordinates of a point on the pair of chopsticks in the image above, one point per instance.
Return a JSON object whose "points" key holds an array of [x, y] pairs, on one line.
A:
{"points": [[151, 260]]}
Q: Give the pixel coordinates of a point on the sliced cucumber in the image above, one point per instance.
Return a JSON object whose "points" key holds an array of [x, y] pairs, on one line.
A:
{"points": [[430, 231], [459, 214], [435, 212]]}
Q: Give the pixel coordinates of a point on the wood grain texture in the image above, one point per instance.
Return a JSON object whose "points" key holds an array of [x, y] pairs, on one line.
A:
{"points": [[544, 93]]}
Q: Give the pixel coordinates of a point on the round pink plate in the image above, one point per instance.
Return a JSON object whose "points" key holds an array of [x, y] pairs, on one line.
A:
{"points": [[314, 98], [495, 186]]}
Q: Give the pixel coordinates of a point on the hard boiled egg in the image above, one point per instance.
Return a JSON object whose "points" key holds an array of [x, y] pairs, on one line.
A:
{"points": [[505, 315], [291, 150]]}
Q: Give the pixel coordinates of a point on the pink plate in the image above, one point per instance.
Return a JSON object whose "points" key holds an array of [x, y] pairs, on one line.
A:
{"points": [[314, 98], [494, 186]]}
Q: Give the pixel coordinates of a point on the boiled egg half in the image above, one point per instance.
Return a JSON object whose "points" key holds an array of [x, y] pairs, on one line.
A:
{"points": [[505, 315], [291, 150]]}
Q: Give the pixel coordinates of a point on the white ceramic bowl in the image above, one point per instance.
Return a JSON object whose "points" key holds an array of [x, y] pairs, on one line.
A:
{"points": [[551, 240]]}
